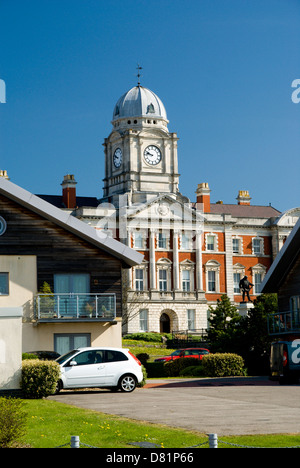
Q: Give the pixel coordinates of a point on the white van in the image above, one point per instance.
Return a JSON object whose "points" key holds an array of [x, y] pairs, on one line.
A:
{"points": [[116, 368]]}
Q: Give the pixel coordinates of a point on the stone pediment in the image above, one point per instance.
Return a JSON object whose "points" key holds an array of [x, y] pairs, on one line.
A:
{"points": [[164, 212]]}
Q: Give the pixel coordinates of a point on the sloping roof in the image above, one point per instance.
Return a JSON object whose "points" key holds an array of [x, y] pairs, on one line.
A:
{"points": [[57, 200], [283, 262], [244, 211], [69, 222]]}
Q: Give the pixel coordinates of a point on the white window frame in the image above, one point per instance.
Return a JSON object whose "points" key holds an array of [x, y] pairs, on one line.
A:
{"points": [[239, 251], [215, 242], [144, 320], [238, 269], [261, 270], [164, 264], [166, 240], [261, 246], [139, 283], [139, 239], [191, 319], [213, 266], [185, 241], [187, 265]]}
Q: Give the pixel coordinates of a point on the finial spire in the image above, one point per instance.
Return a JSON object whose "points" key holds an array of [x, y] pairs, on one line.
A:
{"points": [[138, 74]]}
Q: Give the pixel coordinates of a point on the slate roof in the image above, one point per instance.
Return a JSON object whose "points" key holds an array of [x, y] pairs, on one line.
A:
{"points": [[244, 211]]}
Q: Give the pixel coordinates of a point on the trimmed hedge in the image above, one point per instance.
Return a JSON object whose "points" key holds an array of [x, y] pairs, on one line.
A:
{"points": [[39, 378], [173, 368], [147, 336], [223, 365]]}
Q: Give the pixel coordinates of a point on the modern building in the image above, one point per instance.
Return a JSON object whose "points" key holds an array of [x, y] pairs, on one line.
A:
{"points": [[60, 281]]}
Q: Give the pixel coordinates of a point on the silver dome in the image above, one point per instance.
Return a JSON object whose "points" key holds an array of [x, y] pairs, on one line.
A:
{"points": [[139, 102]]}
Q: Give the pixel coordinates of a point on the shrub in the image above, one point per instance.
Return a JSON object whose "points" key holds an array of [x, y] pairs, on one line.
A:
{"points": [[173, 368], [147, 336], [143, 357], [39, 378], [155, 369], [29, 356], [13, 421], [222, 365], [192, 371]]}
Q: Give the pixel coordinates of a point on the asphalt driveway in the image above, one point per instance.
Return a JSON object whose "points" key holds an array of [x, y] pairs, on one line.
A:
{"points": [[223, 406]]}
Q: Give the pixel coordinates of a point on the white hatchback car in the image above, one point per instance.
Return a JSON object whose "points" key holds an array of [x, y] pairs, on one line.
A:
{"points": [[116, 368]]}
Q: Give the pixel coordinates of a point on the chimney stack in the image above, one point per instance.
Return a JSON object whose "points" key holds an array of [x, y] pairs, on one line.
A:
{"points": [[69, 191], [3, 173], [243, 197], [203, 196]]}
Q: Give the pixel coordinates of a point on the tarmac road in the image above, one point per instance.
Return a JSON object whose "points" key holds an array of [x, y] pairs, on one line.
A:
{"points": [[223, 406]]}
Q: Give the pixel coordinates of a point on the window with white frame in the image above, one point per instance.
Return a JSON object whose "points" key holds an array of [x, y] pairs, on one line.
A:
{"points": [[139, 279], [238, 274], [185, 241], [163, 266], [187, 268], [162, 280], [163, 240], [212, 269], [143, 316], [139, 239], [236, 283], [257, 246], [237, 245], [186, 280], [191, 319], [211, 242], [258, 274]]}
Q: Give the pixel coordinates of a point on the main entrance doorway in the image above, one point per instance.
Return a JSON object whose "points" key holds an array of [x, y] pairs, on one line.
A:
{"points": [[165, 323]]}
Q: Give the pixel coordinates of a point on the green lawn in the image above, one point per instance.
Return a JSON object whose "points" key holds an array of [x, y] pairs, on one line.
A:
{"points": [[51, 424]]}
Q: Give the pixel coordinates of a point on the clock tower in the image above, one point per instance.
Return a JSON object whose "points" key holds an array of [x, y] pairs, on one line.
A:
{"points": [[140, 153]]}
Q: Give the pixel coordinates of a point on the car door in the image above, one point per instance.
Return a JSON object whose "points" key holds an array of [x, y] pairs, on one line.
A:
{"points": [[86, 369], [116, 364]]}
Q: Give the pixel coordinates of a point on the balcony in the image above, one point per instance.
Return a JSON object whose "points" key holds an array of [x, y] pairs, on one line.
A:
{"points": [[284, 323], [75, 307]]}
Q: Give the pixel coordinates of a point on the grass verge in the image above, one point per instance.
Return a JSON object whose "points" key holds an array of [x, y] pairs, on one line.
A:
{"points": [[51, 424]]}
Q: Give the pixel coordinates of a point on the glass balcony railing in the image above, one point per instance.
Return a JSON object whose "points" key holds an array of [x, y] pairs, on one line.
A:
{"points": [[75, 306], [284, 322]]}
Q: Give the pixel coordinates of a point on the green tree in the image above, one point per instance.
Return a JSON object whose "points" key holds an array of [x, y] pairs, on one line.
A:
{"points": [[224, 324], [256, 341]]}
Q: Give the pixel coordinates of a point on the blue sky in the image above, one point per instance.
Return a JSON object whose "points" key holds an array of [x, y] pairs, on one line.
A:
{"points": [[223, 69]]}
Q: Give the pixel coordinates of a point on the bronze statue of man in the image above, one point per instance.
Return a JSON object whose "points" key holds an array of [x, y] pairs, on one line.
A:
{"points": [[245, 286]]}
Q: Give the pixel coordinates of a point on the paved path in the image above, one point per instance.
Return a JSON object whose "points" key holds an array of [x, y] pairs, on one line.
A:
{"points": [[222, 406]]}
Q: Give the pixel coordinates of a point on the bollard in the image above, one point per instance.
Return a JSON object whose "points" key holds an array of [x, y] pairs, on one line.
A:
{"points": [[75, 442], [213, 440]]}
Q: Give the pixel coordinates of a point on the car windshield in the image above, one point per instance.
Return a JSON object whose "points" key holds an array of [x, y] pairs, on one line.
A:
{"points": [[66, 356], [176, 353]]}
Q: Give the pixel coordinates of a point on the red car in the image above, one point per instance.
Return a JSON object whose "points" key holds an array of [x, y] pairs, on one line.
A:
{"points": [[196, 353]]}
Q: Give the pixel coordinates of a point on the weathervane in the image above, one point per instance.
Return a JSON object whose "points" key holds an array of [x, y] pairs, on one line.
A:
{"points": [[139, 75]]}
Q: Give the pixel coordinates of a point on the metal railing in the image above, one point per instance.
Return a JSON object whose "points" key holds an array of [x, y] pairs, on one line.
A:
{"points": [[75, 306], [283, 323]]}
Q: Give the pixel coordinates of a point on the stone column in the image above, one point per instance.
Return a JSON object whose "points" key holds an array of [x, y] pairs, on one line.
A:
{"points": [[152, 259], [176, 282]]}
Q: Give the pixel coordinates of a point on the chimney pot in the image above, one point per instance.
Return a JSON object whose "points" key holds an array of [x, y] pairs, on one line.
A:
{"points": [[69, 191], [203, 196]]}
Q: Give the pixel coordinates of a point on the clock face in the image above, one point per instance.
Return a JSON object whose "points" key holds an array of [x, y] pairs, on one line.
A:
{"points": [[152, 155], [118, 157]]}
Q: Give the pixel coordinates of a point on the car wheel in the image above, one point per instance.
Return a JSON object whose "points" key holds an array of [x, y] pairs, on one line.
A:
{"points": [[127, 383], [59, 387]]}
